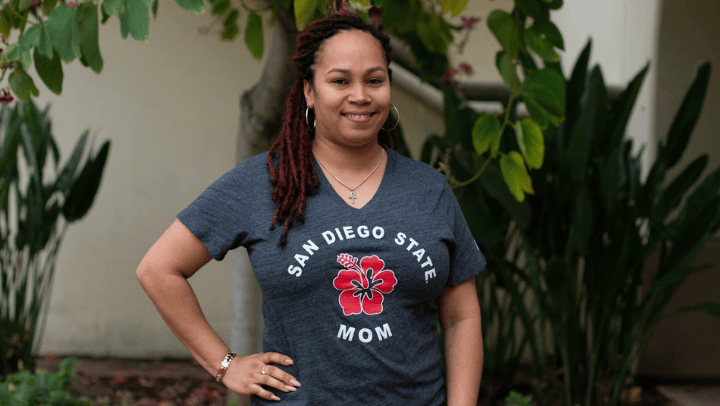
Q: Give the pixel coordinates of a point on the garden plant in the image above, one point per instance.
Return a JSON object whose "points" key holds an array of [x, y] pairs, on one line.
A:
{"points": [[567, 262], [35, 212]]}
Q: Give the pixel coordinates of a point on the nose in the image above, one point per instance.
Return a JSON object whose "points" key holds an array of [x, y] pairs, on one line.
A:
{"points": [[359, 94]]}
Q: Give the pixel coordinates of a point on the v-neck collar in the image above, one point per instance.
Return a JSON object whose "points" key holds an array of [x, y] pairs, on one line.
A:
{"points": [[325, 183]]}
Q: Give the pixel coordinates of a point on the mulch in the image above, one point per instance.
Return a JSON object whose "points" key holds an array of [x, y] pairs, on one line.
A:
{"points": [[128, 382]]}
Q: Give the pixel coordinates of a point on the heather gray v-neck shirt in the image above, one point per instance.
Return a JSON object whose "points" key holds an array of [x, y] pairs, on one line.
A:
{"points": [[350, 297]]}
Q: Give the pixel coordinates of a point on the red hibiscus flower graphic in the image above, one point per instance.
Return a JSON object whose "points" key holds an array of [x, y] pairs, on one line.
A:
{"points": [[363, 285]]}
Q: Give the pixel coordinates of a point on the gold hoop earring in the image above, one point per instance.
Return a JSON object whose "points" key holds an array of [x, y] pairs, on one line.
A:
{"points": [[307, 122], [397, 113]]}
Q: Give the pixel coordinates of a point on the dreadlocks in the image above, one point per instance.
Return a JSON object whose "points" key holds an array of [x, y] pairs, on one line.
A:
{"points": [[294, 176]]}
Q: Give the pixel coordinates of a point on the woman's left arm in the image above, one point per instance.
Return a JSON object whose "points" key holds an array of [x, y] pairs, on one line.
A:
{"points": [[459, 312]]}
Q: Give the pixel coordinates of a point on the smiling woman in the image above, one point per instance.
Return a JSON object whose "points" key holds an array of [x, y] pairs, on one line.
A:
{"points": [[381, 246]]}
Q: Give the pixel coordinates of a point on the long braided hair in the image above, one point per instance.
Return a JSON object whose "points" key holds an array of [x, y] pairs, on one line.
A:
{"points": [[290, 159]]}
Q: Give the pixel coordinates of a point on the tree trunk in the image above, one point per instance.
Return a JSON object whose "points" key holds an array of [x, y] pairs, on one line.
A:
{"points": [[261, 114]]}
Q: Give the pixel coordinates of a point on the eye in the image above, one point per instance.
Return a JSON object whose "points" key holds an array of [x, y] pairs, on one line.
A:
{"points": [[375, 81], [340, 81]]}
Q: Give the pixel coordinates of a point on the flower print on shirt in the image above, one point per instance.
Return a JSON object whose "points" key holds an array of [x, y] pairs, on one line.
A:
{"points": [[363, 285]]}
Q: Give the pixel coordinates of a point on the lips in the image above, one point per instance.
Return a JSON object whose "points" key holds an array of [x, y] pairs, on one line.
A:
{"points": [[358, 117]]}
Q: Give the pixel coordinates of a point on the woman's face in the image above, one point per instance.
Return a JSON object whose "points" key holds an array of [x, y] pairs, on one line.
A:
{"points": [[351, 93]]}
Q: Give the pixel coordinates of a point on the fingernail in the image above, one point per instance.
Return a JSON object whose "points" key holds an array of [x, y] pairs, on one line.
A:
{"points": [[273, 397], [294, 382], [288, 361], [292, 388]]}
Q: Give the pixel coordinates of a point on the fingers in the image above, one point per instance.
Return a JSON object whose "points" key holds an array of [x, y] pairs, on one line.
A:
{"points": [[246, 375], [275, 358]]}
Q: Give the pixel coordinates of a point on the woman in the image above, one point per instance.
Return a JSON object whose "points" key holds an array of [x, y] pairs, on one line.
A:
{"points": [[371, 241]]}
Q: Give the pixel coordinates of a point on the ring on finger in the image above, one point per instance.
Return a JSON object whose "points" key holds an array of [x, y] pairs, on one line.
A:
{"points": [[263, 370]]}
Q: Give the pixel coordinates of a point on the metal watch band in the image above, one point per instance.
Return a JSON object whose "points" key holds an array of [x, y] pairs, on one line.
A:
{"points": [[224, 366]]}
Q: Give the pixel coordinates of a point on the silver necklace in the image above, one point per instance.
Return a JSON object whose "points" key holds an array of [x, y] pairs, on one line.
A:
{"points": [[352, 196]]}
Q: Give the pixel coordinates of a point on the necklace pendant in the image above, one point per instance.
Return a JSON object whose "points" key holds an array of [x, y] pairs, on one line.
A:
{"points": [[352, 196]]}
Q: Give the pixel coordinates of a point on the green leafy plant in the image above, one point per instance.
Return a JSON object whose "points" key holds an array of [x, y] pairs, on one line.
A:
{"points": [[34, 214], [515, 398], [44, 388], [568, 261]]}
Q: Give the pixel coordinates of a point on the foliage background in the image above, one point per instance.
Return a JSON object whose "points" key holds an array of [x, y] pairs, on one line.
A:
{"points": [[171, 108]]}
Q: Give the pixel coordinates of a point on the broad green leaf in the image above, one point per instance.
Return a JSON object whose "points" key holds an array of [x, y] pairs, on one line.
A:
{"points": [[493, 183], [530, 139], [541, 46], [254, 35], [454, 6], [31, 37], [515, 175], [45, 45], [62, 29], [304, 11], [49, 6], [401, 15], [154, 8], [428, 30], [687, 116], [139, 19], [50, 71], [582, 224], [544, 95], [16, 52], [84, 189], [554, 4], [506, 31], [5, 24], [675, 191], [486, 133], [22, 84], [195, 6], [533, 8], [88, 32], [64, 180], [24, 4], [623, 107], [550, 32], [114, 7], [220, 8], [124, 24], [230, 29], [711, 308], [506, 67]]}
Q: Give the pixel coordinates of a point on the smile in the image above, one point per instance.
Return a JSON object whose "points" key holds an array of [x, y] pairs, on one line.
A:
{"points": [[359, 117]]}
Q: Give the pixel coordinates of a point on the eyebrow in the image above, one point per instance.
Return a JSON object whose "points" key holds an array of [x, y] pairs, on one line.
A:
{"points": [[347, 71]]}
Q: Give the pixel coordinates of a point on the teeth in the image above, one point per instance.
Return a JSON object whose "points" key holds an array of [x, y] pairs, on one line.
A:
{"points": [[358, 117]]}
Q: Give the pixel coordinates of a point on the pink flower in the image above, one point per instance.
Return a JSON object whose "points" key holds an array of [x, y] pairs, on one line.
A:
{"points": [[449, 76], [363, 286], [71, 3], [469, 23], [6, 98], [375, 14], [466, 68]]}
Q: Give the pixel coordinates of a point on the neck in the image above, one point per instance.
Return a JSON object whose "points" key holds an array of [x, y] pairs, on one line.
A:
{"points": [[347, 158]]}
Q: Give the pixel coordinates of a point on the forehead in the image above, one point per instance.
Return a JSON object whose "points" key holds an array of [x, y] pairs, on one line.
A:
{"points": [[353, 49]]}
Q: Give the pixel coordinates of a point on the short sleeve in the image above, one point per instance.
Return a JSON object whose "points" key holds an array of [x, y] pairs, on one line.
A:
{"points": [[466, 259], [219, 217]]}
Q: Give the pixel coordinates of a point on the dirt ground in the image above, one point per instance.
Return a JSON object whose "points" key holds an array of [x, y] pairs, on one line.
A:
{"points": [[125, 382]]}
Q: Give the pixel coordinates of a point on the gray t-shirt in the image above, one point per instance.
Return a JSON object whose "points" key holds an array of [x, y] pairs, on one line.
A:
{"points": [[350, 297]]}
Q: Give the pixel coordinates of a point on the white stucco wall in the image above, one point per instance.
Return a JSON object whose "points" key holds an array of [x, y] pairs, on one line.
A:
{"points": [[171, 108]]}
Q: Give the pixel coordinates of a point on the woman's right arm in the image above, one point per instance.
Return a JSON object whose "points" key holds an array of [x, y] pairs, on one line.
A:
{"points": [[163, 273]]}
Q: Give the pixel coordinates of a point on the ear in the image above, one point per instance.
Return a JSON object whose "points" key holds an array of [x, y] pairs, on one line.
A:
{"points": [[309, 94]]}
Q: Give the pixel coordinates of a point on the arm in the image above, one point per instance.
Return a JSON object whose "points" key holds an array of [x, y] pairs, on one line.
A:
{"points": [[459, 313], [163, 273]]}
